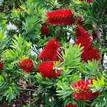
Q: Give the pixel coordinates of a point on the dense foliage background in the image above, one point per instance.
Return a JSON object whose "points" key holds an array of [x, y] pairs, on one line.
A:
{"points": [[29, 35]]}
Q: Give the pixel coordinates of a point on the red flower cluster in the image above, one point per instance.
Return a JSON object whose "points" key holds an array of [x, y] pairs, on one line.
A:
{"points": [[26, 65], [71, 105], [83, 91], [83, 37], [44, 29], [80, 31], [47, 69], [61, 17], [1, 65], [89, 51], [51, 50]]}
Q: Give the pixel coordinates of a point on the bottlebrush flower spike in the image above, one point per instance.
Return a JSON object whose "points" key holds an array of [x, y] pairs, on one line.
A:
{"points": [[60, 17], [91, 53], [1, 65], [83, 91], [51, 50], [47, 69], [26, 65], [44, 29], [89, 95], [80, 31], [83, 37], [71, 105]]}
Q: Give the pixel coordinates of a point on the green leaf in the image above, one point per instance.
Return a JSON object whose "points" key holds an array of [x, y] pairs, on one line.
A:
{"points": [[19, 48], [99, 84], [72, 56], [101, 100], [3, 41], [63, 90], [11, 92]]}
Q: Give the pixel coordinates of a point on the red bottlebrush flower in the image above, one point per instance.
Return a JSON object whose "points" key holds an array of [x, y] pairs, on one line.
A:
{"points": [[83, 37], [44, 29], [84, 41], [26, 65], [1, 65], [89, 95], [80, 31], [91, 53], [82, 84], [71, 105], [51, 50], [47, 69], [60, 17], [83, 91]]}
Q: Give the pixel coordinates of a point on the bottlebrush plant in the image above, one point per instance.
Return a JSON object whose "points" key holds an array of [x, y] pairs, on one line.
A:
{"points": [[39, 66]]}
